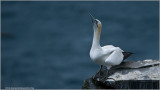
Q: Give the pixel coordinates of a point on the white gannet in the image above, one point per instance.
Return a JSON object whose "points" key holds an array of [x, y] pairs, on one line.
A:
{"points": [[108, 55]]}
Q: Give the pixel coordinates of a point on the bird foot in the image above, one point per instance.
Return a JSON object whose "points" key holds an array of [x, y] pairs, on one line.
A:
{"points": [[102, 75], [98, 75], [103, 79]]}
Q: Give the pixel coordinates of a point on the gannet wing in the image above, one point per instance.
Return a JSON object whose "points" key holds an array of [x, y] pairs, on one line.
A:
{"points": [[114, 58], [109, 49]]}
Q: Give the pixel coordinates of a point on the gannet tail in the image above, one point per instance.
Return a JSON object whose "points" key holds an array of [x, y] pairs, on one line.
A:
{"points": [[126, 55]]}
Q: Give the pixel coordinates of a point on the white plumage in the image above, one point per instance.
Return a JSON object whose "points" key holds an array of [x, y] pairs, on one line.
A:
{"points": [[108, 55]]}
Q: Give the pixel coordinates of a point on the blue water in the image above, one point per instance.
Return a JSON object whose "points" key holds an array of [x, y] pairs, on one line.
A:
{"points": [[46, 44]]}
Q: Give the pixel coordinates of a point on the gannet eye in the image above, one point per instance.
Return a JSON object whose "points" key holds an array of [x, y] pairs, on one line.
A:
{"points": [[96, 22]]}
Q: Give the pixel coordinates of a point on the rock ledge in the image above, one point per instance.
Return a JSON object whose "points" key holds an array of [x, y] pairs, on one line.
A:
{"points": [[129, 75]]}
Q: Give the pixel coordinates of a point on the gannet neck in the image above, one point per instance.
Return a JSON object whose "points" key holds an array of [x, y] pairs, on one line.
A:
{"points": [[96, 38]]}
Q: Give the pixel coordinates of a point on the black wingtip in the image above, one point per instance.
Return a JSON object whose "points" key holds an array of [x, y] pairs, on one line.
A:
{"points": [[126, 55]]}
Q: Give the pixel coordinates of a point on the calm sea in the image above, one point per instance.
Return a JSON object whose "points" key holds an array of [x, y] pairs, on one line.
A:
{"points": [[46, 44]]}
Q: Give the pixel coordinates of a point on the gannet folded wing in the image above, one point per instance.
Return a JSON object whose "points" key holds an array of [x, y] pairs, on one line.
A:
{"points": [[115, 57]]}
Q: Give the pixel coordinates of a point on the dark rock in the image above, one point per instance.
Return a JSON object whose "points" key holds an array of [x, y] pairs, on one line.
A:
{"points": [[129, 75]]}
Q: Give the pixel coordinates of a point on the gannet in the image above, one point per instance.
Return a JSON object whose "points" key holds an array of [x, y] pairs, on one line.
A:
{"points": [[108, 55]]}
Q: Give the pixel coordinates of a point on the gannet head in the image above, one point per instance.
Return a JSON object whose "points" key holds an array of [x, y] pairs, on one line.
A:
{"points": [[96, 23]]}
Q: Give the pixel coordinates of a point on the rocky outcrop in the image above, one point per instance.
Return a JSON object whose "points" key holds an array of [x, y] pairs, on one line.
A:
{"points": [[129, 75]]}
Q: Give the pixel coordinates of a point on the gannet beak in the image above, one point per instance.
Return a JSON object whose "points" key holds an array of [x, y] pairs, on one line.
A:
{"points": [[92, 18]]}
